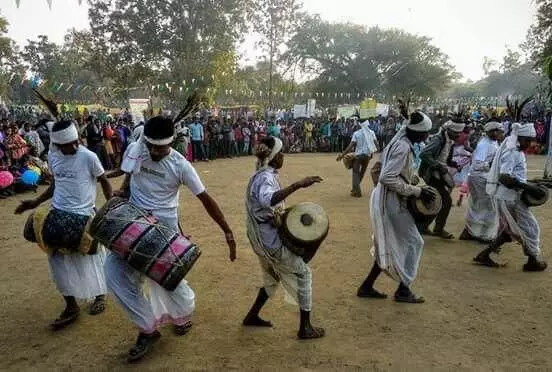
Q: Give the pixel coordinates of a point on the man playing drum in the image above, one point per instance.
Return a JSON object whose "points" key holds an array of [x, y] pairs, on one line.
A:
{"points": [[154, 173], [75, 171], [398, 245], [364, 142], [278, 263]]}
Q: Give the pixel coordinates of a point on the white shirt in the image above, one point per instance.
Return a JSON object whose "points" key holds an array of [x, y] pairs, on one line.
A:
{"points": [[137, 132], [264, 186], [75, 180], [483, 156], [513, 163], [365, 140], [156, 186]]}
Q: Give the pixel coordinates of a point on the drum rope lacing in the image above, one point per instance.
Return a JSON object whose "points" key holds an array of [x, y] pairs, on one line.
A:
{"points": [[146, 222]]}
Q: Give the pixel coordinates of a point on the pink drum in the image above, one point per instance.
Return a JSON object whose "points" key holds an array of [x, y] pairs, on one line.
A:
{"points": [[149, 246]]}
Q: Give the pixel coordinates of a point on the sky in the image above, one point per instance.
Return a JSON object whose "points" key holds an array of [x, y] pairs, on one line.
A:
{"points": [[465, 30]]}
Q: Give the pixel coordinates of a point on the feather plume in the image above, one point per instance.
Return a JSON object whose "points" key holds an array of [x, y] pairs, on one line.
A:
{"points": [[192, 105], [521, 106], [50, 105]]}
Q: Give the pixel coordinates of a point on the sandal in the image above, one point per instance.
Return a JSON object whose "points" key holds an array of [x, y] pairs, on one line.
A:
{"points": [[98, 306], [181, 330], [487, 261], [311, 333], [409, 298], [535, 266], [142, 347], [66, 318], [443, 234]]}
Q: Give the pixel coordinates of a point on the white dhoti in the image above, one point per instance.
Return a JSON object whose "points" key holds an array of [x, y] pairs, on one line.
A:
{"points": [[147, 303], [398, 246], [292, 272], [78, 275], [481, 216], [517, 220]]}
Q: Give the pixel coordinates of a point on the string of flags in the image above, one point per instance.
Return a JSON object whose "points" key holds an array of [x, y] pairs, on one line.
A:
{"points": [[18, 2]]}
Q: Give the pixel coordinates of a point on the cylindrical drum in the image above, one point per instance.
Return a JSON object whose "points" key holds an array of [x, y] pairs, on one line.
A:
{"points": [[304, 228], [535, 197], [149, 246], [422, 210]]}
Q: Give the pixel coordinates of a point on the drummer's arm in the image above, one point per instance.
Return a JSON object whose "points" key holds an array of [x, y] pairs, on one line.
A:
{"points": [[347, 150], [106, 186], [281, 195], [390, 175], [46, 195]]}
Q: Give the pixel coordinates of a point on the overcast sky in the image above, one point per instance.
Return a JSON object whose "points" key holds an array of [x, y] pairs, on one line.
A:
{"points": [[466, 30]]}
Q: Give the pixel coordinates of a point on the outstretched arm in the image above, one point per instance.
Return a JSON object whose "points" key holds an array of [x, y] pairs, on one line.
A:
{"points": [[106, 186], [31, 204], [281, 195], [216, 214]]}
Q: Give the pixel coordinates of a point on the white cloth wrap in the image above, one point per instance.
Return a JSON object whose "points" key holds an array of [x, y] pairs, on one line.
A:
{"points": [[453, 126], [493, 125], [527, 130], [423, 126], [508, 145], [159, 142], [78, 275], [517, 220], [278, 145]]}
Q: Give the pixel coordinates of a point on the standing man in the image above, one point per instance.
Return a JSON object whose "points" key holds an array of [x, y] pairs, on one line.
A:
{"points": [[364, 143], [435, 159], [197, 140], [398, 245], [507, 178], [154, 173], [75, 171], [278, 263], [481, 216]]}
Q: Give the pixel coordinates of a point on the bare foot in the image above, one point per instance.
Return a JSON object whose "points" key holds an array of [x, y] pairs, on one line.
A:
{"points": [[310, 332]]}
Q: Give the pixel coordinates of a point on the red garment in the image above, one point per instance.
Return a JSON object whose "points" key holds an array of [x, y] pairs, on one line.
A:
{"points": [[238, 134]]}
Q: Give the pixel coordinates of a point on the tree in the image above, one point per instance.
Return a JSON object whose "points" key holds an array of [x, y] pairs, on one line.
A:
{"points": [[489, 65], [511, 61], [539, 37], [276, 21], [10, 65], [344, 57], [146, 39]]}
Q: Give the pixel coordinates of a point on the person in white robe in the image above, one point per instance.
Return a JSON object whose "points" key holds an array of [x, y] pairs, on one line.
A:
{"points": [[481, 215], [505, 183], [75, 171], [279, 265], [154, 173], [398, 245]]}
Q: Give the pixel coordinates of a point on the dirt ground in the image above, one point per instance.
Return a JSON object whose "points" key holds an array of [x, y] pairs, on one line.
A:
{"points": [[474, 318]]}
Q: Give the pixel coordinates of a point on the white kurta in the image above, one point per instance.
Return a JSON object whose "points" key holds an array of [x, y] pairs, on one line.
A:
{"points": [[482, 215], [398, 245], [77, 275]]}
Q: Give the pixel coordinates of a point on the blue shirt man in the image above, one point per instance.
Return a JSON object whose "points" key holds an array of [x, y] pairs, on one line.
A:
{"points": [[197, 131]]}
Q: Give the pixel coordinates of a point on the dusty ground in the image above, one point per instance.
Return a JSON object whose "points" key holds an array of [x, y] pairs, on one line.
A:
{"points": [[474, 319]]}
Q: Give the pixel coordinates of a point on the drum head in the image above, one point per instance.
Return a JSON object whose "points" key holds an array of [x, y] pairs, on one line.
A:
{"points": [[307, 222], [427, 209], [532, 200]]}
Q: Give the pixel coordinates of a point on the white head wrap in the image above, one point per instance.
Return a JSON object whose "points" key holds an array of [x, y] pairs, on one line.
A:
{"points": [[424, 126], [493, 125], [278, 145], [65, 136], [453, 126], [159, 142], [527, 130], [509, 145]]}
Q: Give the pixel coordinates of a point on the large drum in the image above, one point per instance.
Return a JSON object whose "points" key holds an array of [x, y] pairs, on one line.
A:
{"points": [[421, 210], [55, 230], [303, 229], [149, 246], [535, 198]]}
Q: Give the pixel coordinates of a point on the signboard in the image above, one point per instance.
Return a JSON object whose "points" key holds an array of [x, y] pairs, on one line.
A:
{"points": [[137, 108], [299, 111], [382, 109], [311, 105], [346, 111], [368, 108]]}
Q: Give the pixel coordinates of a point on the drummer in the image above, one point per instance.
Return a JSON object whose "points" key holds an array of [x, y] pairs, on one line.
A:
{"points": [[75, 170], [397, 241], [278, 263], [364, 143], [507, 176], [154, 173]]}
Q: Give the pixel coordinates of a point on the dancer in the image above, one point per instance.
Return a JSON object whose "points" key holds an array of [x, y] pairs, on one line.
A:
{"points": [[364, 143], [278, 264], [481, 216], [75, 171], [507, 177], [398, 244], [433, 169], [154, 173]]}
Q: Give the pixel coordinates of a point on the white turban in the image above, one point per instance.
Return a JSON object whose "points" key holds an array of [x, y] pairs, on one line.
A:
{"points": [[65, 136], [527, 130], [423, 126], [493, 125], [453, 126]]}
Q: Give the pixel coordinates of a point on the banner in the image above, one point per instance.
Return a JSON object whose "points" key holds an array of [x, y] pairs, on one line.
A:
{"points": [[311, 105], [382, 109], [137, 108], [346, 111], [367, 108], [299, 111]]}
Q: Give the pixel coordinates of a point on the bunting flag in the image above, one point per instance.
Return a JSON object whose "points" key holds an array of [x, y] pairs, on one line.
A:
{"points": [[18, 2]]}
